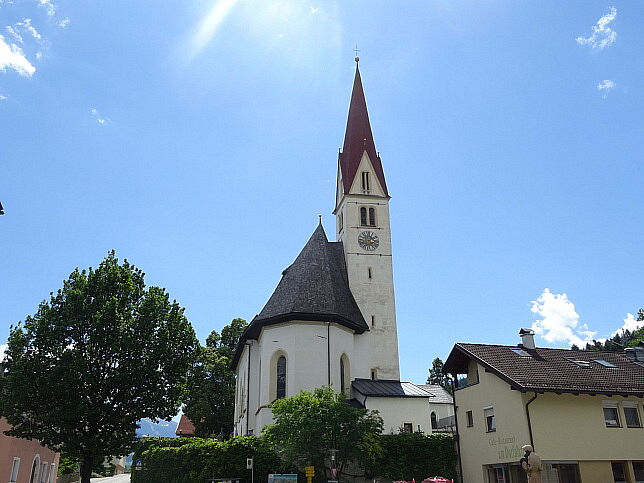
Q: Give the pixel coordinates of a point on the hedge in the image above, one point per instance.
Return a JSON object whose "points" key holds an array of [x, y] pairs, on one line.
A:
{"points": [[195, 460], [415, 455]]}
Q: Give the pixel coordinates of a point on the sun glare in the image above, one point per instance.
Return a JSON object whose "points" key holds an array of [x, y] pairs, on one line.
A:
{"points": [[210, 24]]}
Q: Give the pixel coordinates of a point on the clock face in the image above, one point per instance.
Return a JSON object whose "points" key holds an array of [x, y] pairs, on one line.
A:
{"points": [[368, 240]]}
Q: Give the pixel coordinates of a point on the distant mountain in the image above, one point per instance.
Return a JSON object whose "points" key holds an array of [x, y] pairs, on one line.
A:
{"points": [[162, 428]]}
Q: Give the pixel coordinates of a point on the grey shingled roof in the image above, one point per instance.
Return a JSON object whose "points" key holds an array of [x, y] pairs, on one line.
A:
{"points": [[440, 394], [388, 388], [314, 288], [552, 370]]}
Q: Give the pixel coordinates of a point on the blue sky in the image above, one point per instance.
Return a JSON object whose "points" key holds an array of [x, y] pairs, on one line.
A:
{"points": [[199, 140]]}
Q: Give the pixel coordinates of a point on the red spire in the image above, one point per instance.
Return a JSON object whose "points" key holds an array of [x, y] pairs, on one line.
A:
{"points": [[358, 138]]}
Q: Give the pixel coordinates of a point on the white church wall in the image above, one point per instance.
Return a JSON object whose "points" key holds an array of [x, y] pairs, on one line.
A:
{"points": [[241, 386], [247, 389], [442, 410], [395, 411], [308, 354]]}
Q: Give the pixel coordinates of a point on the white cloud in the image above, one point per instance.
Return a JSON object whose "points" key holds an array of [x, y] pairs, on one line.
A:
{"points": [[14, 33], [314, 10], [26, 24], [605, 87], [3, 97], [64, 23], [3, 347], [630, 324], [11, 57], [560, 321], [97, 115], [49, 6], [603, 36]]}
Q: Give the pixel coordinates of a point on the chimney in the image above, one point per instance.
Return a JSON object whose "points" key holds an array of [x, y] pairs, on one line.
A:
{"points": [[635, 354], [527, 338]]}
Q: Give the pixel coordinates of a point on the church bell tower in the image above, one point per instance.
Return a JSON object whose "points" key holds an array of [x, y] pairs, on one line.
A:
{"points": [[362, 225]]}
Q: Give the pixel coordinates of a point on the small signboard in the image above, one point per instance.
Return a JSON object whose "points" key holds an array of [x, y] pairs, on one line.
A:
{"points": [[249, 463], [282, 478]]}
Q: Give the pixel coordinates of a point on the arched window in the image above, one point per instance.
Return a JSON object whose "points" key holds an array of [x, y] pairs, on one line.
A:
{"points": [[34, 470], [281, 377], [363, 216], [434, 422], [342, 381], [372, 217]]}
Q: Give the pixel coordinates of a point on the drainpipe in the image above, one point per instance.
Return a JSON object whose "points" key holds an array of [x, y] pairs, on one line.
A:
{"points": [[248, 391], [527, 413], [458, 437], [328, 352]]}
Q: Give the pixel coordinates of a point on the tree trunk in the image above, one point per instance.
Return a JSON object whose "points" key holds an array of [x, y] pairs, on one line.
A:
{"points": [[86, 467]]}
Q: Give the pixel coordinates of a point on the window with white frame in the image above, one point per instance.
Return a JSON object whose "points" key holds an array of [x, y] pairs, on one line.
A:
{"points": [[490, 420], [631, 415], [611, 414], [408, 427], [470, 419], [34, 469], [43, 473], [52, 473], [14, 470]]}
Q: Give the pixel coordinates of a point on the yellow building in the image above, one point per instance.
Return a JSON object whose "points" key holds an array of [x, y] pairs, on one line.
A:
{"points": [[581, 411]]}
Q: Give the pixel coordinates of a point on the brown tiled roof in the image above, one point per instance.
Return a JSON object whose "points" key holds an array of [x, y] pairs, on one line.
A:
{"points": [[358, 138], [552, 370], [185, 427]]}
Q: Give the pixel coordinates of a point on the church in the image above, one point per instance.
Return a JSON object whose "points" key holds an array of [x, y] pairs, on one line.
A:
{"points": [[331, 320]]}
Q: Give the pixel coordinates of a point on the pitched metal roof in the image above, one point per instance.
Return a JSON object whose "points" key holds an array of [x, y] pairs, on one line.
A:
{"points": [[440, 395], [552, 370], [314, 288], [358, 138], [388, 388]]}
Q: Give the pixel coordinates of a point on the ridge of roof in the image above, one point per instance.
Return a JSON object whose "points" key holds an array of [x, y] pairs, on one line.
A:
{"points": [[358, 138], [315, 287]]}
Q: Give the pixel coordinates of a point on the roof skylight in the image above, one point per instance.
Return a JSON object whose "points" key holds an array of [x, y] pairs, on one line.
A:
{"points": [[521, 352], [604, 363], [580, 363]]}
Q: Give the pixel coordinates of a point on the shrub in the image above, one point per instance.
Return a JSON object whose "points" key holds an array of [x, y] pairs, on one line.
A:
{"points": [[194, 460], [415, 455]]}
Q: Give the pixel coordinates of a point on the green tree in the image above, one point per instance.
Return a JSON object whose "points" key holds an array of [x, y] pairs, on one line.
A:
{"points": [[210, 400], [436, 375], [101, 354], [309, 425]]}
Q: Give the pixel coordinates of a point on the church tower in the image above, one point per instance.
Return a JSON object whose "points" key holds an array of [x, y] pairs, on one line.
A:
{"points": [[362, 225]]}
